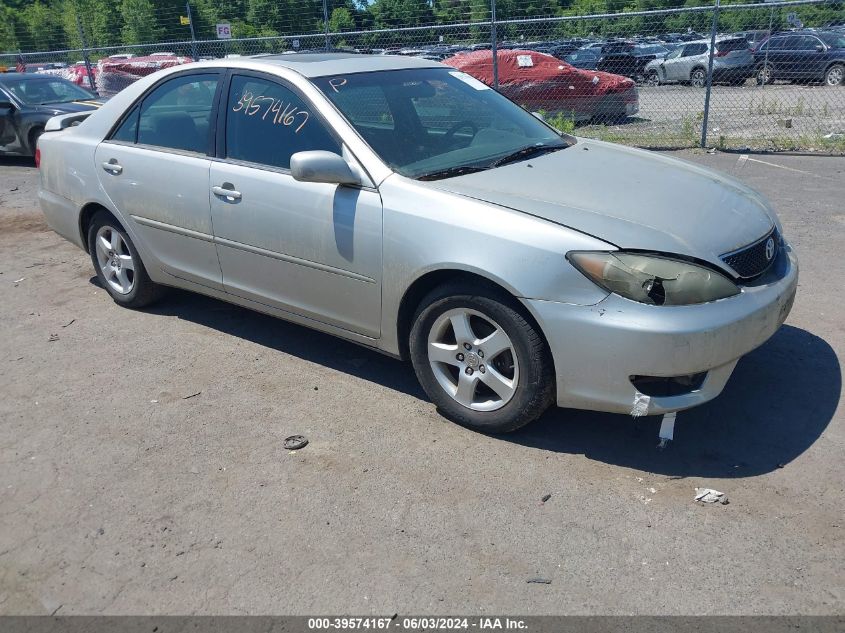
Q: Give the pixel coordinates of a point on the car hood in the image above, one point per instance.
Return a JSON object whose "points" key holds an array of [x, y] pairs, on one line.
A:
{"points": [[69, 107], [633, 199]]}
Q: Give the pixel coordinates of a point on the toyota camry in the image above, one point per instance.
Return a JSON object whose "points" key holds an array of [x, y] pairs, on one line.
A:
{"points": [[408, 207]]}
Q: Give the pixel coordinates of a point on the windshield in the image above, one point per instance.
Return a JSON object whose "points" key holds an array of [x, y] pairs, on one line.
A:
{"points": [[44, 90], [436, 122]]}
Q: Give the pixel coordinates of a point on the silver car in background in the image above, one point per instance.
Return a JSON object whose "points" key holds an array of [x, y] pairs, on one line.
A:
{"points": [[408, 207], [733, 63]]}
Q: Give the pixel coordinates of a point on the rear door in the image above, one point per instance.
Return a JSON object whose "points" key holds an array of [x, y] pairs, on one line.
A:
{"points": [[777, 54], [155, 166], [810, 58]]}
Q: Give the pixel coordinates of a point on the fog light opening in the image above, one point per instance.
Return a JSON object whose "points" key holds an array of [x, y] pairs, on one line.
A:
{"points": [[664, 387]]}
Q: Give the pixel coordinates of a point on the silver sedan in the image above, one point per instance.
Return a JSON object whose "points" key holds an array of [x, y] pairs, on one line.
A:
{"points": [[406, 206]]}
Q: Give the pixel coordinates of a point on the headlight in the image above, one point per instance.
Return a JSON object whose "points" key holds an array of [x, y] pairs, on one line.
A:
{"points": [[653, 279]]}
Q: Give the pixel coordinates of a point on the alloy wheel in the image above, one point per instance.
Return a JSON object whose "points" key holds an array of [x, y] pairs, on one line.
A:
{"points": [[115, 260], [473, 359], [835, 76]]}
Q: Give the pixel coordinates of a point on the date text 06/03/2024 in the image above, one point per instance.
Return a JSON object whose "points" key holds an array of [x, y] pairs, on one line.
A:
{"points": [[415, 624]]}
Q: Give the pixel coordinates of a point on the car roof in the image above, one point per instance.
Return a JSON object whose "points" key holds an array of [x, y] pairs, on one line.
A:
{"points": [[322, 64]]}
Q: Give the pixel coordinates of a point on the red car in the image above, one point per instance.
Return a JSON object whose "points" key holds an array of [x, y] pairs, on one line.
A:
{"points": [[538, 81]]}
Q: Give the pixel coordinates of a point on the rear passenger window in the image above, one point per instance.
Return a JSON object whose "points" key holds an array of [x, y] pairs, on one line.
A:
{"points": [[177, 114], [267, 123]]}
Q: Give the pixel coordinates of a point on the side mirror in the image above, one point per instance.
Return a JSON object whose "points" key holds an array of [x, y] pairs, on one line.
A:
{"points": [[321, 166], [820, 48]]}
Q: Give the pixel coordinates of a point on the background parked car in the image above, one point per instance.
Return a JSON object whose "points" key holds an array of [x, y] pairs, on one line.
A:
{"points": [[28, 100], [538, 81], [631, 60], [584, 58], [802, 55], [733, 63]]}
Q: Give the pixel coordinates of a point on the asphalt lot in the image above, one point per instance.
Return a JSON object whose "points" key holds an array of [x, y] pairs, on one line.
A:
{"points": [[143, 471]]}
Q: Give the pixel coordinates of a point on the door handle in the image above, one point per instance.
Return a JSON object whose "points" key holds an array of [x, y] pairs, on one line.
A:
{"points": [[113, 167], [223, 192]]}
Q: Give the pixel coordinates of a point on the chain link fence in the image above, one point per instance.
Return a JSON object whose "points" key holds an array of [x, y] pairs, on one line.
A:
{"points": [[759, 76]]}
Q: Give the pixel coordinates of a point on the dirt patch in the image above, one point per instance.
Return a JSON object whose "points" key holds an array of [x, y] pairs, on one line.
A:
{"points": [[23, 223]]}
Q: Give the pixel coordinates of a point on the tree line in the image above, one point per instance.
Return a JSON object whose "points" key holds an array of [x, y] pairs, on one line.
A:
{"points": [[49, 25]]}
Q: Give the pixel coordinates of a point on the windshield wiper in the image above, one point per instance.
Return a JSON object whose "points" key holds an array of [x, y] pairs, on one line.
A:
{"points": [[449, 172], [526, 152]]}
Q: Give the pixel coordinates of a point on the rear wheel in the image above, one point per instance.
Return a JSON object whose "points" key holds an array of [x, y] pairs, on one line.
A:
{"points": [[480, 360], [119, 267], [698, 78], [835, 75], [765, 75], [652, 78]]}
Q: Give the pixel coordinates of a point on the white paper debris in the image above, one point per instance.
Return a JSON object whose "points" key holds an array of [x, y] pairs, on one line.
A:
{"points": [[595, 79], [667, 429], [708, 495], [640, 407], [524, 61]]}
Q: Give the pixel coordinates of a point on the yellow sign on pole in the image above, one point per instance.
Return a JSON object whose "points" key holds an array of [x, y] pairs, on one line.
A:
{"points": [[184, 20]]}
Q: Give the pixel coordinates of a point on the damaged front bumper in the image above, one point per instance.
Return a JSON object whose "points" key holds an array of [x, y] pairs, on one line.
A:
{"points": [[598, 349]]}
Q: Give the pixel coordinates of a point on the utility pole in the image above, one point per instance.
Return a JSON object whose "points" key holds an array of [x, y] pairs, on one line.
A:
{"points": [[193, 35], [326, 22], [709, 74], [85, 52], [493, 44]]}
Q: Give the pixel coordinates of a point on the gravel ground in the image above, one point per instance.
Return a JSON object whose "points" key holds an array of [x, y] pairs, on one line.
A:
{"points": [[143, 471]]}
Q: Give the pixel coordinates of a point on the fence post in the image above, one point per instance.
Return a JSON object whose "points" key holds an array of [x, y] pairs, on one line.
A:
{"points": [[85, 53], [326, 22], [709, 73], [493, 44], [193, 35]]}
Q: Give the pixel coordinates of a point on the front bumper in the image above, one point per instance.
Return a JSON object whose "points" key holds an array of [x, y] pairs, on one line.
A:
{"points": [[596, 349]]}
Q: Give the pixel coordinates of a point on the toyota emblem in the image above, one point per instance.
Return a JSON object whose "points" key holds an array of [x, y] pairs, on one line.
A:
{"points": [[770, 249]]}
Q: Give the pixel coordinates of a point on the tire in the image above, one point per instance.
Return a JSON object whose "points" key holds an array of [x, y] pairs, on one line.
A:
{"points": [[652, 78], [462, 384], [698, 78], [835, 75], [765, 75], [34, 135], [118, 264]]}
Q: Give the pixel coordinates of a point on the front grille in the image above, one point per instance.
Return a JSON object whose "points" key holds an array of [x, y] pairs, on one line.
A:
{"points": [[752, 261]]}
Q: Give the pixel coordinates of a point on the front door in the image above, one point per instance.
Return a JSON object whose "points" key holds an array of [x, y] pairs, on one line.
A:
{"points": [[161, 149], [313, 249]]}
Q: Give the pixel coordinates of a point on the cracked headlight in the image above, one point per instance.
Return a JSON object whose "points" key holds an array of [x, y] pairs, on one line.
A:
{"points": [[652, 279]]}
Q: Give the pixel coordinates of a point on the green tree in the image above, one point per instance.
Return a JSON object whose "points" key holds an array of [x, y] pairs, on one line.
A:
{"points": [[341, 20], [139, 22], [8, 37]]}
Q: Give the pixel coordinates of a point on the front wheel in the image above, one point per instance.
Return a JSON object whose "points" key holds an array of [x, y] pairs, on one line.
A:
{"points": [[765, 75], [480, 360], [698, 78], [652, 78], [835, 75]]}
